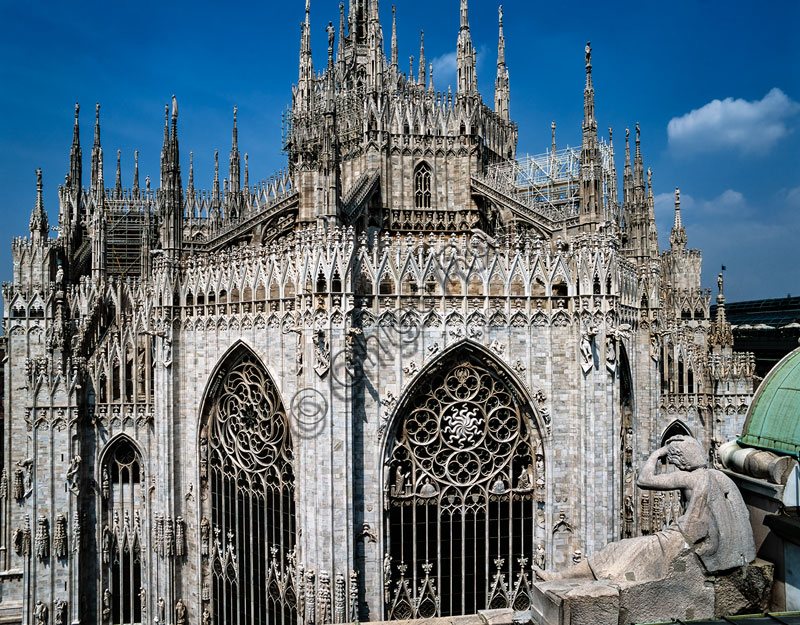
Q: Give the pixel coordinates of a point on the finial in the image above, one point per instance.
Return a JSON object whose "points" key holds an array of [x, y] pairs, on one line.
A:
{"points": [[500, 11], [430, 82], [246, 172], [191, 170], [118, 180], [719, 286], [38, 224], [136, 169], [588, 51], [610, 134], [97, 124], [650, 178], [638, 133], [677, 198], [553, 132], [77, 110], [174, 107], [411, 68]]}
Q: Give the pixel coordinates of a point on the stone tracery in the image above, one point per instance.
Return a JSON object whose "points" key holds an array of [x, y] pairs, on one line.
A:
{"points": [[459, 493], [250, 488]]}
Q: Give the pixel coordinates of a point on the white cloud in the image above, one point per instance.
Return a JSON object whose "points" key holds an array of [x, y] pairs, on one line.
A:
{"points": [[746, 126], [444, 70]]}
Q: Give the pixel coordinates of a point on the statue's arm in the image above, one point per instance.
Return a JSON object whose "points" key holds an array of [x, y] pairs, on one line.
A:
{"points": [[650, 480]]}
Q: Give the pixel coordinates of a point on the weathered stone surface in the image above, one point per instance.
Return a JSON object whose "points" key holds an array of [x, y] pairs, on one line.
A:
{"points": [[687, 592], [745, 590]]}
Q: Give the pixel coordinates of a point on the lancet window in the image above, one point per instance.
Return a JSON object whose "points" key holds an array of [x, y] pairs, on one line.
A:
{"points": [[123, 515], [249, 515], [463, 479], [422, 186]]}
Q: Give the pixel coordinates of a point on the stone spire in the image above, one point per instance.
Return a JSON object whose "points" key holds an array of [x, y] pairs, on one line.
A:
{"points": [[501, 89], [612, 179], [340, 45], [75, 167], [677, 238], [97, 151], [165, 145], [190, 186], [235, 160], [38, 225], [118, 178], [377, 60], [627, 175], [431, 89], [422, 64], [465, 55], [136, 172], [721, 336], [652, 232], [638, 170], [247, 172], [395, 58], [215, 197], [306, 70], [591, 193], [172, 192]]}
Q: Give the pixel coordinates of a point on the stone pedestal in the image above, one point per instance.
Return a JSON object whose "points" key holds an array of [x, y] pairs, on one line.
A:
{"points": [[686, 593]]}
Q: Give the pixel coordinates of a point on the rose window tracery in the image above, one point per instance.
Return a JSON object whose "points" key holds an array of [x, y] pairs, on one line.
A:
{"points": [[461, 491]]}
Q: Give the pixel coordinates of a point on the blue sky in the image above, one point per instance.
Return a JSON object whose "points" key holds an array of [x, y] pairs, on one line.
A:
{"points": [[715, 87]]}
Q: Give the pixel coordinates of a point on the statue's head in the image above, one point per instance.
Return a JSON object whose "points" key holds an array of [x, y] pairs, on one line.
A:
{"points": [[686, 453]]}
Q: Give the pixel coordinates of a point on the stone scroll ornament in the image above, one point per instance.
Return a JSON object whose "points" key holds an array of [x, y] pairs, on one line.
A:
{"points": [[715, 527]]}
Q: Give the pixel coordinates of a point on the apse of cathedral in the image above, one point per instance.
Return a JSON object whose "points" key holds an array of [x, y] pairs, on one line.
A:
{"points": [[387, 382]]}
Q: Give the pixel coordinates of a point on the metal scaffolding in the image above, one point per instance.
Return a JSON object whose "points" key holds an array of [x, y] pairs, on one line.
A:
{"points": [[548, 183]]}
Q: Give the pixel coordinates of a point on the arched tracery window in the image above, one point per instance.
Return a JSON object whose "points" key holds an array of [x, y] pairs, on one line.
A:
{"points": [[422, 186], [249, 518], [123, 516], [464, 477]]}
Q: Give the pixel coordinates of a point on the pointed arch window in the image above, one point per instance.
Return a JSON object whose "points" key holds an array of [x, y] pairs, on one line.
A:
{"points": [[249, 511], [464, 478], [123, 514], [422, 186]]}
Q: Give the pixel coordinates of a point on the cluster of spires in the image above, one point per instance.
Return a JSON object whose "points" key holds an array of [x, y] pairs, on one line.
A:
{"points": [[364, 27]]}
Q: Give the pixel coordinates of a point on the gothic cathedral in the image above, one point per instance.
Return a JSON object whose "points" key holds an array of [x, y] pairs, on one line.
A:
{"points": [[387, 382]]}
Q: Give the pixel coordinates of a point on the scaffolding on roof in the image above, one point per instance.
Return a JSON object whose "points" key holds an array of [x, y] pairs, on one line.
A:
{"points": [[548, 183]]}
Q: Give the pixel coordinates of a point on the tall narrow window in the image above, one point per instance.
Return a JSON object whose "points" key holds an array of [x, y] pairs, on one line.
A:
{"points": [[123, 514], [465, 476], [249, 513], [422, 186]]}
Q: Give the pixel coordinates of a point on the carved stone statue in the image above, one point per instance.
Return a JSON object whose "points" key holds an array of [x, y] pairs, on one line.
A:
{"points": [[40, 613], [143, 602], [42, 538], [715, 526], [106, 484], [539, 557], [60, 612], [73, 479], [60, 537], [627, 525], [205, 533], [106, 544], [180, 613], [106, 605], [206, 619]]}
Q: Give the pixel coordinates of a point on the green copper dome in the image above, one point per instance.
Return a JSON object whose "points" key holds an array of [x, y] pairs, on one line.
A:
{"points": [[773, 420]]}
